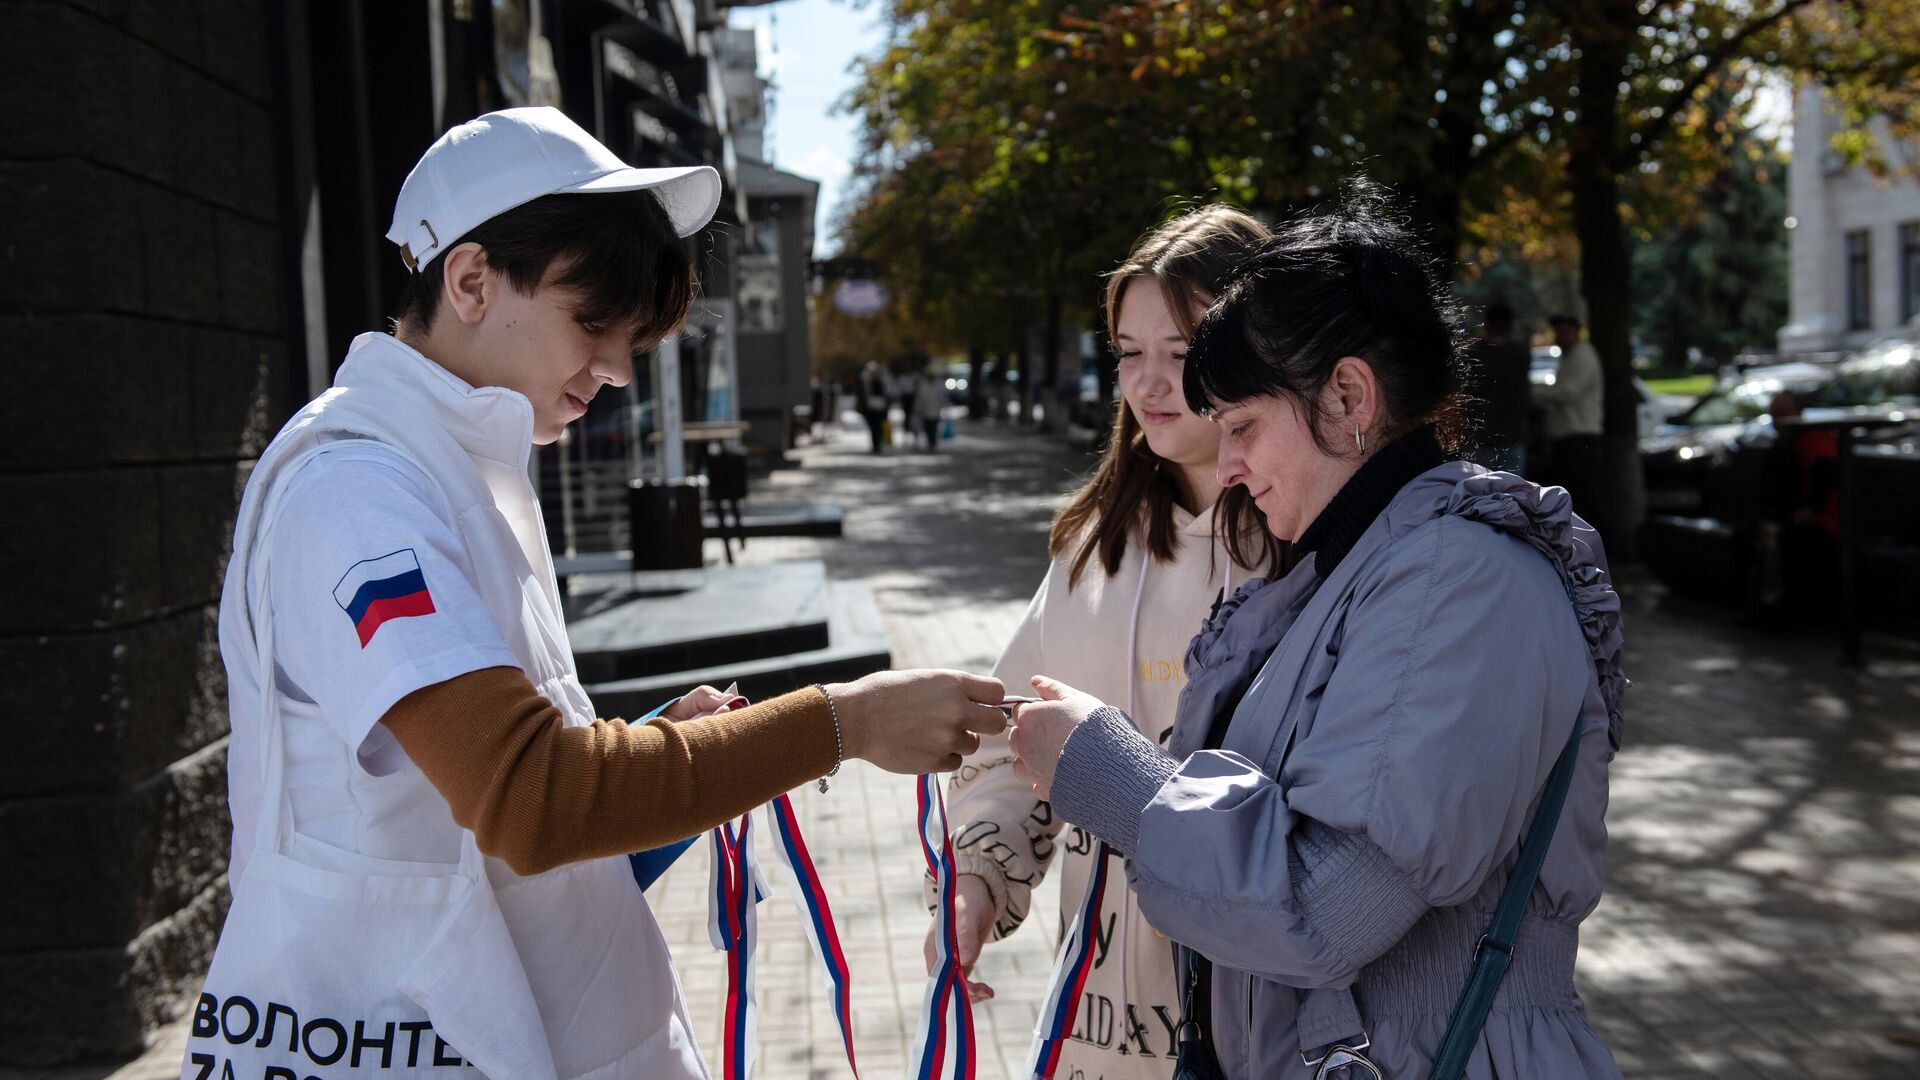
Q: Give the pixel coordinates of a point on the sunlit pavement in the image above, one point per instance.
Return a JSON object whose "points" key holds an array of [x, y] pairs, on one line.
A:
{"points": [[1763, 910], [952, 544]]}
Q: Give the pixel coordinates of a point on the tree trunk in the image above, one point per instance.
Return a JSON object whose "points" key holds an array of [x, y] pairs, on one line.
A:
{"points": [[1046, 387], [1436, 193], [997, 395], [1436, 212], [1595, 159], [1023, 363], [976, 389]]}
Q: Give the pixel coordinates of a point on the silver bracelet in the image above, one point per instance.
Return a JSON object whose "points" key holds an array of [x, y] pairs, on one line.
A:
{"points": [[839, 744]]}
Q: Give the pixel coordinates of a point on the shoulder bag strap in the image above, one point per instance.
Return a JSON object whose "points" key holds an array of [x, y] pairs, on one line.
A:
{"points": [[1324, 1013], [1494, 952]]}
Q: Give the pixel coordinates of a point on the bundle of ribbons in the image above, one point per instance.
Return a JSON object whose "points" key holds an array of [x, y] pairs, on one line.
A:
{"points": [[1069, 975], [944, 1046], [735, 888]]}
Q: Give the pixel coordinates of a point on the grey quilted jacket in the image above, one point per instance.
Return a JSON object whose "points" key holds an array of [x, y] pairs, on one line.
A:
{"points": [[1392, 728]]}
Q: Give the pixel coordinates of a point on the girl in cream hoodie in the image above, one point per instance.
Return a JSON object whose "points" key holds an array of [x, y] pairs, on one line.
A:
{"points": [[1139, 556]]}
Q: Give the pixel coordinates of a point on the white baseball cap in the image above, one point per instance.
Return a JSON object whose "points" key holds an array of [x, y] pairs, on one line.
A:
{"points": [[493, 163]]}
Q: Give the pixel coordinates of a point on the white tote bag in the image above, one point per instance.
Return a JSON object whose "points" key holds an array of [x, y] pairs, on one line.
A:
{"points": [[404, 969]]}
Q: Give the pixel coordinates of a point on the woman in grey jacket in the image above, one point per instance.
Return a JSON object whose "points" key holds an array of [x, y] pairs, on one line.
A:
{"points": [[1363, 742]]}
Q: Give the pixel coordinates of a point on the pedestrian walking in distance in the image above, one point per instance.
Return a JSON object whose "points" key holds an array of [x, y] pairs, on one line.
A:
{"points": [[875, 399], [1575, 419], [929, 403]]}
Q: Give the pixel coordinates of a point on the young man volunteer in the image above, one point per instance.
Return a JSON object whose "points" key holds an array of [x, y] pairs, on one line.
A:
{"points": [[428, 818]]}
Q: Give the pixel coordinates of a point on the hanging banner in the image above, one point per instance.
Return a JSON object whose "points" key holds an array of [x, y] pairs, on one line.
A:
{"points": [[861, 298]]}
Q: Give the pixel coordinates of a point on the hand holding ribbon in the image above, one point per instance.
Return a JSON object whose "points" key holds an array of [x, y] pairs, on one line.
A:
{"points": [[1041, 728], [917, 721], [703, 701]]}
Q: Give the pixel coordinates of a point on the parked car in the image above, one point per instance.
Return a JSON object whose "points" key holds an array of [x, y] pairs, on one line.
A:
{"points": [[1679, 454], [957, 382], [1883, 377], [1713, 477]]}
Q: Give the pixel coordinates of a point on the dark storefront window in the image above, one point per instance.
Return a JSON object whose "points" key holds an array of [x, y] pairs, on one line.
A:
{"points": [[1859, 281], [1909, 270]]}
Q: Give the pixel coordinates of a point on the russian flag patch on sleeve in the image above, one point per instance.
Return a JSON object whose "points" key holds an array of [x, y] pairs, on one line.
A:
{"points": [[376, 590]]}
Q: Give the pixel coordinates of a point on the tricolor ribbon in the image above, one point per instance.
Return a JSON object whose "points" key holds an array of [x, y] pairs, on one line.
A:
{"points": [[1069, 975], [810, 896], [943, 1047], [735, 886], [732, 925]]}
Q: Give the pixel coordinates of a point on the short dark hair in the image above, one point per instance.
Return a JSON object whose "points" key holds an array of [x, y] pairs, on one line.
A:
{"points": [[618, 248], [1354, 281], [1498, 318], [1563, 319]]}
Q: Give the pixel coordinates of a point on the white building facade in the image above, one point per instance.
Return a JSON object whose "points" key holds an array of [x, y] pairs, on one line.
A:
{"points": [[1854, 244]]}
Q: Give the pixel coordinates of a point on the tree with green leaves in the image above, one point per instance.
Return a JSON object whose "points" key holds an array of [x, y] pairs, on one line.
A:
{"points": [[1711, 278], [1643, 73], [989, 183], [1024, 144]]}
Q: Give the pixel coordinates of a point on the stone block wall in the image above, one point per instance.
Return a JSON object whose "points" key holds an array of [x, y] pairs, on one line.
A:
{"points": [[144, 339]]}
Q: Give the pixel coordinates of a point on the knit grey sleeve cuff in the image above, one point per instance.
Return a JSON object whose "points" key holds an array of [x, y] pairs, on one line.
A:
{"points": [[1350, 892], [1107, 774]]}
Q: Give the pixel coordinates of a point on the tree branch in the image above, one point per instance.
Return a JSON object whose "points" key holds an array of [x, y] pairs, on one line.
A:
{"points": [[1880, 72], [1656, 129], [1497, 144]]}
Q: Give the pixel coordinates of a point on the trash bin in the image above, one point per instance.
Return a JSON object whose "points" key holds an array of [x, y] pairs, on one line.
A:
{"points": [[664, 521], [726, 487], [727, 476]]}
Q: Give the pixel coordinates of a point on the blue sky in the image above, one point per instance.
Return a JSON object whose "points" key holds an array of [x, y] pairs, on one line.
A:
{"points": [[805, 47]]}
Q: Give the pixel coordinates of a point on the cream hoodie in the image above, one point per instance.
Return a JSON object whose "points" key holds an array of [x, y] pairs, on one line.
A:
{"points": [[1079, 635]]}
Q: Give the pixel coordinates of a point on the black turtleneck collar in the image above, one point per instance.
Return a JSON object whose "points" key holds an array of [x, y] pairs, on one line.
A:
{"points": [[1366, 493]]}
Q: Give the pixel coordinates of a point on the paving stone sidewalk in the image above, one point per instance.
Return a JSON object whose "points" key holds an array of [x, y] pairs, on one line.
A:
{"points": [[1763, 912], [952, 545]]}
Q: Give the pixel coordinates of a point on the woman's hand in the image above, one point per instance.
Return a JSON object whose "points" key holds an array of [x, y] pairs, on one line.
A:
{"points": [[1040, 730], [700, 701], [917, 721], [972, 922]]}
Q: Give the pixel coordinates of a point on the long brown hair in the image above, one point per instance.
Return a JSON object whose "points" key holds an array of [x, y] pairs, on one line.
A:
{"points": [[1191, 259]]}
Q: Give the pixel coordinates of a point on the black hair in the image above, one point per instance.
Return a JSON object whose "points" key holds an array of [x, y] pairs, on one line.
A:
{"points": [[618, 250], [1499, 318], [1564, 319], [1354, 281]]}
